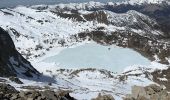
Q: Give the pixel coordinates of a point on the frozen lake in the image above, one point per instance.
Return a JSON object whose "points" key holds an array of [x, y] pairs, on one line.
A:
{"points": [[93, 55], [13, 3]]}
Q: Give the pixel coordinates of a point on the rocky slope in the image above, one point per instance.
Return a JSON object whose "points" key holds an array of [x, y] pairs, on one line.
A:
{"points": [[8, 92], [159, 12], [11, 61], [151, 92]]}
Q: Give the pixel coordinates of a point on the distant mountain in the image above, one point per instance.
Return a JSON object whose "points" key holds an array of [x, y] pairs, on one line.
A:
{"points": [[146, 1], [158, 11]]}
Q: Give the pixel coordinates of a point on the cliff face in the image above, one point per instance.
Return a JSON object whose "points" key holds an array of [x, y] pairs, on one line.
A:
{"points": [[11, 62]]}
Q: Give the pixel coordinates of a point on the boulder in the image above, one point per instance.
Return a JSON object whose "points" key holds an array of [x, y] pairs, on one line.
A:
{"points": [[138, 91], [6, 88], [104, 97], [151, 92], [15, 79]]}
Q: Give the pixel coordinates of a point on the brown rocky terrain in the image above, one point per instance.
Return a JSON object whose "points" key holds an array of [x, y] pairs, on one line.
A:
{"points": [[7, 92], [151, 92], [162, 77], [104, 97]]}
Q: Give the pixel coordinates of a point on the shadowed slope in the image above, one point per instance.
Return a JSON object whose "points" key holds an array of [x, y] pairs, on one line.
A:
{"points": [[11, 62]]}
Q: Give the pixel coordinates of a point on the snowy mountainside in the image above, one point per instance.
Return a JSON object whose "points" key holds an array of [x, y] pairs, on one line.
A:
{"points": [[36, 31], [31, 33], [45, 30], [158, 11]]}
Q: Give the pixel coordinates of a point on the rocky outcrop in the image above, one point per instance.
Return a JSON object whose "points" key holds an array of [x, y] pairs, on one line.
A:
{"points": [[162, 77], [152, 92], [15, 79], [104, 97], [6, 88], [11, 62], [7, 92]]}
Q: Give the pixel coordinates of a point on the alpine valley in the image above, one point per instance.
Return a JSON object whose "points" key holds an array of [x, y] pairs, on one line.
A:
{"points": [[86, 51]]}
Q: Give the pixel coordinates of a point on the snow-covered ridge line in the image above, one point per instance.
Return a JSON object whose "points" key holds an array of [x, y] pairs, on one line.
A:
{"points": [[78, 6], [140, 2], [95, 5]]}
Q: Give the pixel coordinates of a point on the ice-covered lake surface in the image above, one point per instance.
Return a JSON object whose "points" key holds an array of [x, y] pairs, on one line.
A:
{"points": [[13, 3], [93, 55]]}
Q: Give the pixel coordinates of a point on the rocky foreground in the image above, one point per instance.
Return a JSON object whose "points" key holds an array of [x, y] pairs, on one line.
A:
{"points": [[152, 92], [8, 92]]}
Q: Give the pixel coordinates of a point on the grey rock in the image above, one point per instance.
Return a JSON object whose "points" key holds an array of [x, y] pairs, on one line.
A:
{"points": [[151, 92], [15, 79], [104, 97], [6, 88], [138, 91], [10, 59]]}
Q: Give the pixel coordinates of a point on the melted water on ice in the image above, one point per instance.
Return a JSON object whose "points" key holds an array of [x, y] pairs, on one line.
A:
{"points": [[93, 55]]}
